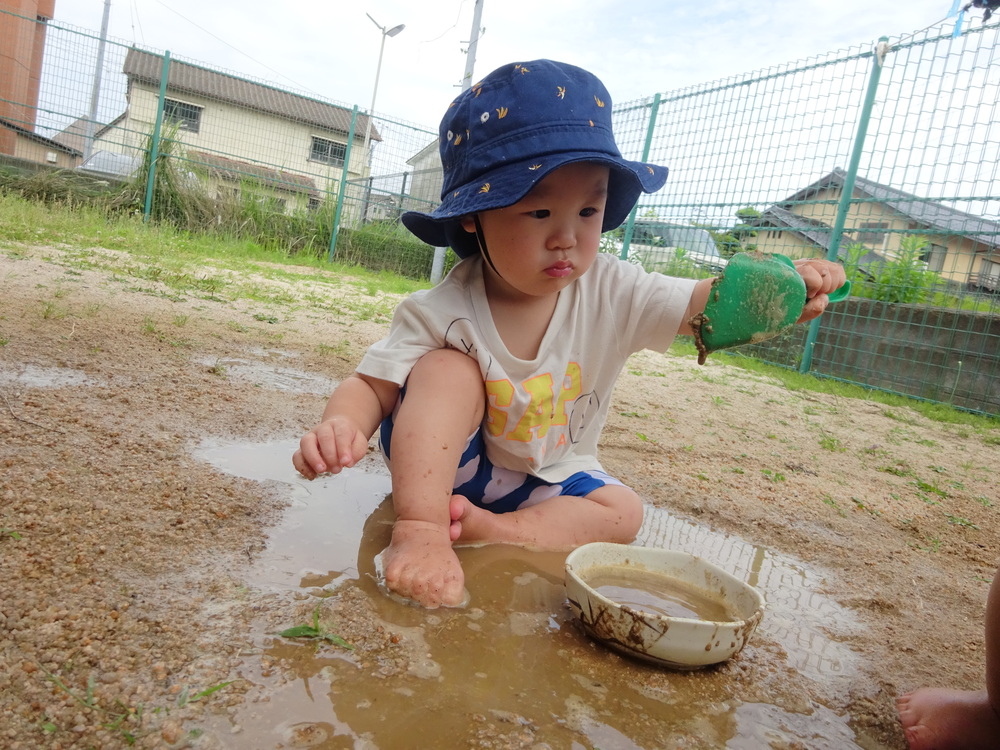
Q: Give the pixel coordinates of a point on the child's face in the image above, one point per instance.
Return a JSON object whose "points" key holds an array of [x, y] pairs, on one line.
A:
{"points": [[551, 236]]}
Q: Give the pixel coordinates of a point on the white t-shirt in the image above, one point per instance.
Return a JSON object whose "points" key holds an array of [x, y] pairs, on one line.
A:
{"points": [[543, 416]]}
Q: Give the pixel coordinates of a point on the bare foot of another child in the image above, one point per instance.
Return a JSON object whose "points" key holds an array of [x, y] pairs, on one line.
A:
{"points": [[939, 719]]}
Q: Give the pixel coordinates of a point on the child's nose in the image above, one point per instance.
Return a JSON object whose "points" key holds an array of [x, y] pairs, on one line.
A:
{"points": [[562, 237]]}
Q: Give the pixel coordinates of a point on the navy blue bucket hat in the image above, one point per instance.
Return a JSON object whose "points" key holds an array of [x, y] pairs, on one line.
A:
{"points": [[503, 135]]}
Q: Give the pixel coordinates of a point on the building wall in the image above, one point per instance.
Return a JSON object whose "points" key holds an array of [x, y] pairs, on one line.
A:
{"points": [[962, 263], [25, 148], [22, 44], [240, 134]]}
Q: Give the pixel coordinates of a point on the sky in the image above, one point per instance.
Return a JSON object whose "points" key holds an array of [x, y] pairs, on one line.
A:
{"points": [[330, 48]]}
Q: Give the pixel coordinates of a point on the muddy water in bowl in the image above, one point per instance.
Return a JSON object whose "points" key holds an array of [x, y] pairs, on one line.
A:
{"points": [[656, 594], [664, 606]]}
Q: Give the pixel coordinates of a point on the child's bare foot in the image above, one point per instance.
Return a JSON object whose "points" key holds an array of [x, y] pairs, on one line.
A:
{"points": [[939, 719], [420, 565], [469, 523]]}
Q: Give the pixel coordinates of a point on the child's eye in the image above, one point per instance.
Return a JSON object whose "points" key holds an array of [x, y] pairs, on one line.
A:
{"points": [[542, 213], [588, 211]]}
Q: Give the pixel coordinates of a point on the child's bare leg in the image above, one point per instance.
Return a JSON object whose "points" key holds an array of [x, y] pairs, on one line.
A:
{"points": [[444, 404], [965, 720], [610, 514]]}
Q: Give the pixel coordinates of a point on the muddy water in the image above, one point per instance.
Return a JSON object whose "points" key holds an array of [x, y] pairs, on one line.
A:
{"points": [[512, 669]]}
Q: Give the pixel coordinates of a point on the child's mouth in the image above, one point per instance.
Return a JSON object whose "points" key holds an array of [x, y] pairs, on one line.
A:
{"points": [[560, 270]]}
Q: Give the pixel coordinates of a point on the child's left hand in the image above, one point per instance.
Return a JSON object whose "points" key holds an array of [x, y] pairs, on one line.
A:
{"points": [[821, 278]]}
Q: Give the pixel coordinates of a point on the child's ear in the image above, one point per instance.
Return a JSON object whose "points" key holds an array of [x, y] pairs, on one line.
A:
{"points": [[468, 224]]}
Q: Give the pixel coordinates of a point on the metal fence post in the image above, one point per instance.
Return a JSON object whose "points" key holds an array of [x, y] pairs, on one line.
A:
{"points": [[630, 224], [343, 184], [847, 191], [154, 146]]}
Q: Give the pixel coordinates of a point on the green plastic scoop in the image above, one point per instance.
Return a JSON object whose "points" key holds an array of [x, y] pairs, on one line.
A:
{"points": [[757, 297]]}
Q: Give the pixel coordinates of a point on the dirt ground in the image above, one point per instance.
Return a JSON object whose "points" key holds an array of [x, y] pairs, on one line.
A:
{"points": [[112, 537]]}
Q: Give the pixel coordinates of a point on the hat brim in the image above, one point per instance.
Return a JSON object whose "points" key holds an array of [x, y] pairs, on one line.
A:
{"points": [[508, 184]]}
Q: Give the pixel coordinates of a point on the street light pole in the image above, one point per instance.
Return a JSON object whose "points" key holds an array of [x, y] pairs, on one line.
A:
{"points": [[378, 71]]}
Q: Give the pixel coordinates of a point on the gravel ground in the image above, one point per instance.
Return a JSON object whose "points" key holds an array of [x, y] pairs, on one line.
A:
{"points": [[122, 607]]}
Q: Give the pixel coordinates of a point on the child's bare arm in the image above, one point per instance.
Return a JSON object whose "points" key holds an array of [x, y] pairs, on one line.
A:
{"points": [[351, 417]]}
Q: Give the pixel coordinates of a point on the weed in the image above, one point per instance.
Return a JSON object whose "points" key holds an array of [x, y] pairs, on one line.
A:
{"points": [[237, 327], [773, 476], [9, 534], [831, 443], [217, 369], [645, 438], [122, 719], [149, 326], [827, 500], [265, 318], [862, 506], [933, 545], [898, 470], [180, 320], [4, 340], [719, 401], [926, 487], [52, 311], [315, 632], [985, 502], [959, 521]]}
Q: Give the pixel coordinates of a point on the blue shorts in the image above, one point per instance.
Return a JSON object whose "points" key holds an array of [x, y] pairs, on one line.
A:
{"points": [[497, 489]]}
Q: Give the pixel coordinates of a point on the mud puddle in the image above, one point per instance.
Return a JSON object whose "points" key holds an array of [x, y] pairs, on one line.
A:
{"points": [[266, 375], [513, 669], [30, 376]]}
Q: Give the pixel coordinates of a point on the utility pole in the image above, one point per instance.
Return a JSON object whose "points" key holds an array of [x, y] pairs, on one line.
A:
{"points": [[90, 126], [470, 57], [437, 265]]}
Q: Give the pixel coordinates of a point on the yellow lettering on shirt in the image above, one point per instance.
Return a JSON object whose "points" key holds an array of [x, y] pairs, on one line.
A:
{"points": [[499, 394], [571, 389], [538, 416], [541, 413]]}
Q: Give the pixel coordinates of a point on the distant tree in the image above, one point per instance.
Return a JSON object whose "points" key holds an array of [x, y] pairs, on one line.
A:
{"points": [[739, 238]]}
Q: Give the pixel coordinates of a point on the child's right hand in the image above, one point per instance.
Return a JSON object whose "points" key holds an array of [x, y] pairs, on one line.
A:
{"points": [[332, 445], [420, 565]]}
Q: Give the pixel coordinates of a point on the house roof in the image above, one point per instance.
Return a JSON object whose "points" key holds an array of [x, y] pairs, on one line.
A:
{"points": [[813, 230], [231, 169], [929, 213], [32, 136], [193, 79]]}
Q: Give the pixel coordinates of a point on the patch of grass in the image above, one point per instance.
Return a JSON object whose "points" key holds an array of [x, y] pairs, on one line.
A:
{"points": [[123, 719], [341, 349], [928, 487], [830, 443], [958, 521]]}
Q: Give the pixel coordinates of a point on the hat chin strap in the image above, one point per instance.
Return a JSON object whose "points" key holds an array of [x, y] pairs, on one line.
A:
{"points": [[481, 239]]}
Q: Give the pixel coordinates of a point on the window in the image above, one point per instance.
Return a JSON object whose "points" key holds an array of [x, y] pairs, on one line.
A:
{"points": [[934, 257], [869, 233], [328, 152], [188, 116]]}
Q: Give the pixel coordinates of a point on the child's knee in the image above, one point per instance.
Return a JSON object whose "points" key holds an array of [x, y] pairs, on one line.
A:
{"points": [[449, 367], [627, 511]]}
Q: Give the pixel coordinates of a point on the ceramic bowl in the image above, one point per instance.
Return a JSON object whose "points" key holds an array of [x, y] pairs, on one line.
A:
{"points": [[687, 642]]}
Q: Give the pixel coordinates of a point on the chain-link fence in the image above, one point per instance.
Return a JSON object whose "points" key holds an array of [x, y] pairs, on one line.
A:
{"points": [[885, 157]]}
